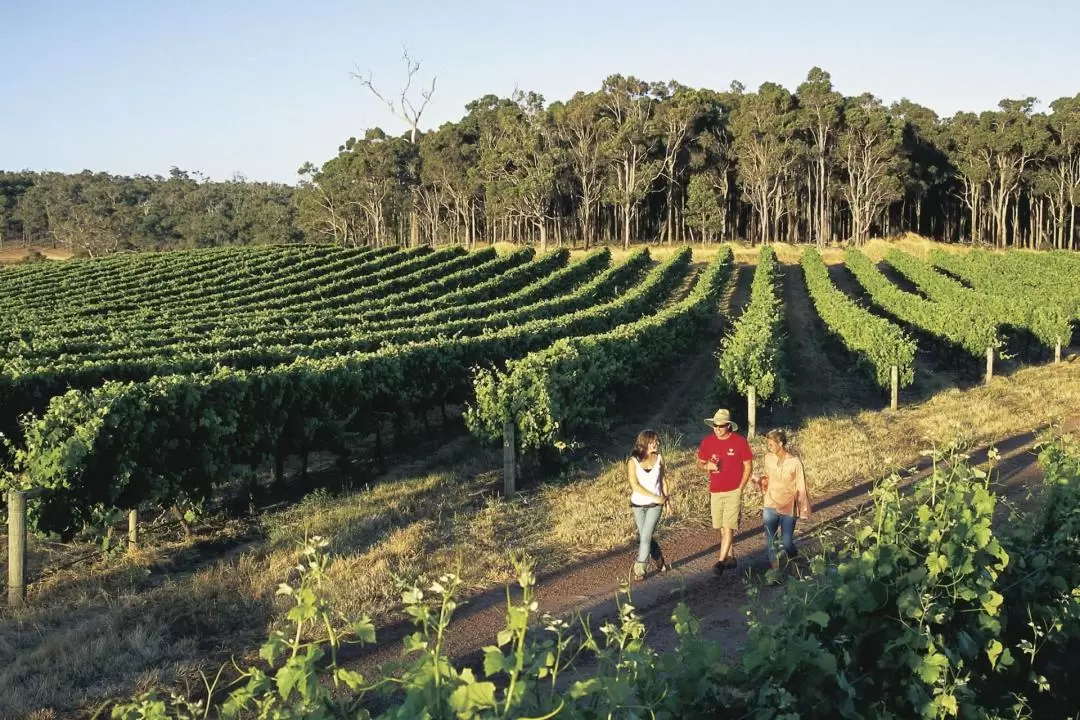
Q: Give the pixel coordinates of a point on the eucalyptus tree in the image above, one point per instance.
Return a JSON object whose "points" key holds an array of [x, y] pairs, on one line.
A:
{"points": [[712, 161], [582, 126], [930, 180], [633, 143], [355, 197], [819, 116], [483, 121], [382, 169], [448, 156], [681, 112], [968, 151], [868, 147], [1011, 142], [523, 162], [1063, 156], [763, 132], [704, 207]]}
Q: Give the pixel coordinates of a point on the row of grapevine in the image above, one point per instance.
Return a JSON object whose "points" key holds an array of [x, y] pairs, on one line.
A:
{"points": [[197, 276], [30, 284], [177, 340], [1054, 301], [180, 436], [574, 385], [273, 347], [344, 277], [876, 341], [546, 272], [357, 284], [958, 324], [751, 360], [1046, 323]]}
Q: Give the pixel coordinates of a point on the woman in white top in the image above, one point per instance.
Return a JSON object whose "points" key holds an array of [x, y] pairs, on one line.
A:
{"points": [[786, 496], [645, 471]]}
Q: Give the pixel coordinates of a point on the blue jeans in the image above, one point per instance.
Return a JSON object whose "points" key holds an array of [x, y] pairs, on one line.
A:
{"points": [[646, 519], [786, 523]]}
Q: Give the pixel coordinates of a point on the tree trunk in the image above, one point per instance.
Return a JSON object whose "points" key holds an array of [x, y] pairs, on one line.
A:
{"points": [[1072, 225], [414, 224], [669, 230]]}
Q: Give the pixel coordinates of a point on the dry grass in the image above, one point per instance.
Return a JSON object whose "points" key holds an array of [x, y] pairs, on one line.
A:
{"points": [[745, 252], [120, 626], [13, 253]]}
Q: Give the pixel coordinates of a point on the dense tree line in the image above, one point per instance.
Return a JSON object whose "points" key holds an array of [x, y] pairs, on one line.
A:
{"points": [[632, 160], [95, 214], [663, 162]]}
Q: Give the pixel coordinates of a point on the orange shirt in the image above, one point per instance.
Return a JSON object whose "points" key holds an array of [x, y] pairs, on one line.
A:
{"points": [[787, 481]]}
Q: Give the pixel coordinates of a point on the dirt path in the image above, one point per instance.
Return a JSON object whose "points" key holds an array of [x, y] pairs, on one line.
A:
{"points": [[590, 587]]}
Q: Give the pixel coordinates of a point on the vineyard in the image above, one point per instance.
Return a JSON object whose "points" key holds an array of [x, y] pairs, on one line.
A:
{"points": [[163, 384], [154, 380]]}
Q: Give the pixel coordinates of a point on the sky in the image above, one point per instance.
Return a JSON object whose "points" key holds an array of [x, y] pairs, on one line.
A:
{"points": [[258, 88]]}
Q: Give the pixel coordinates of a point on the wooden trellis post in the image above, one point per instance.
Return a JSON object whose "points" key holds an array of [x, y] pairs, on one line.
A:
{"points": [[989, 364], [16, 548], [894, 380], [509, 461], [133, 530], [751, 412]]}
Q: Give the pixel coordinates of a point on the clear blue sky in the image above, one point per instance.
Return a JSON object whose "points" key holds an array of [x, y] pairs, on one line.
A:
{"points": [[227, 86]]}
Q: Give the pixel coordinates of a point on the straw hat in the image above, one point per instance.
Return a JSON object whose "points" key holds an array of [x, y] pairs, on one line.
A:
{"points": [[722, 417]]}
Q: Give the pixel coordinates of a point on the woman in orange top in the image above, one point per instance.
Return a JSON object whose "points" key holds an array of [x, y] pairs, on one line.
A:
{"points": [[786, 497]]}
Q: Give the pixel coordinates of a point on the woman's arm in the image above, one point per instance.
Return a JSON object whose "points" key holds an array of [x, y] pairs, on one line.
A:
{"points": [[768, 469], [664, 490], [802, 495], [635, 486]]}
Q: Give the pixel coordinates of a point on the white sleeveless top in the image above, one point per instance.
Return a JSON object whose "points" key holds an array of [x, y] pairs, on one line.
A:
{"points": [[649, 481]]}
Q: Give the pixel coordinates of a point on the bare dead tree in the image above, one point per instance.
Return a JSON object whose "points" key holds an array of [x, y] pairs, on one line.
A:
{"points": [[409, 111], [403, 107]]}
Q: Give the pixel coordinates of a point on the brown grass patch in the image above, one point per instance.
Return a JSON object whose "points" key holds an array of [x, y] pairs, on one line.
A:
{"points": [[746, 252], [15, 253]]}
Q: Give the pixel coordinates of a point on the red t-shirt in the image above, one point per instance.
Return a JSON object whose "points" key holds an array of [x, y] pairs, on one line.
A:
{"points": [[729, 454]]}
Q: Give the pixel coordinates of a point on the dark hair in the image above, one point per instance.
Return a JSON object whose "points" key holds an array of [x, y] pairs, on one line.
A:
{"points": [[641, 445], [779, 436]]}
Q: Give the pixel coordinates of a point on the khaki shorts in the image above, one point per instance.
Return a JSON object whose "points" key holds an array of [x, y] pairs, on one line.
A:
{"points": [[725, 509]]}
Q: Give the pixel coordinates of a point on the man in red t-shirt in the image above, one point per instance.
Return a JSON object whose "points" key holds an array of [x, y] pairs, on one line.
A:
{"points": [[727, 457]]}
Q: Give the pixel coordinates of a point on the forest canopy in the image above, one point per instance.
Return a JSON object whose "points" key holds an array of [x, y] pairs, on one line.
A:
{"points": [[631, 161]]}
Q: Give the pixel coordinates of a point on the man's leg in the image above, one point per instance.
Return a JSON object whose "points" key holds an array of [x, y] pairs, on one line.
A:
{"points": [[732, 506], [716, 506], [727, 535]]}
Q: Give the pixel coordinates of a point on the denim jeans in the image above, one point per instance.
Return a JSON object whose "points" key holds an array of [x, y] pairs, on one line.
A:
{"points": [[786, 524], [646, 519]]}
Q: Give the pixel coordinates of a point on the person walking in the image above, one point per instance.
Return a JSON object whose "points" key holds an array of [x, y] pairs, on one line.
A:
{"points": [[648, 495], [786, 497], [728, 459]]}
